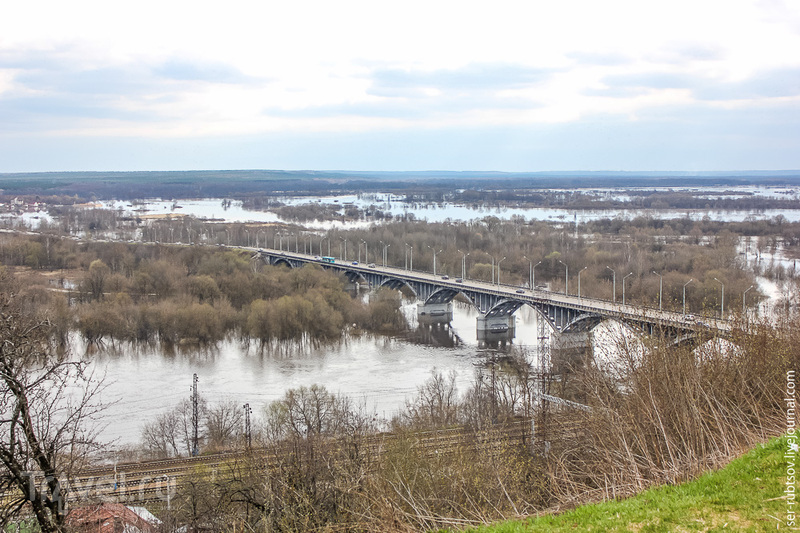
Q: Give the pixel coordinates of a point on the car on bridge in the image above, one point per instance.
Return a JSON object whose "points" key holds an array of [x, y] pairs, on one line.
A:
{"points": [[354, 263], [371, 265], [520, 291]]}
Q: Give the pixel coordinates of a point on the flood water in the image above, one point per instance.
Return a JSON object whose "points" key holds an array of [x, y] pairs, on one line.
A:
{"points": [[380, 372], [213, 210]]}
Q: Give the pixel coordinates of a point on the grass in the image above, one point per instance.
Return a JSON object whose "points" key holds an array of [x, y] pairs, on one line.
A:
{"points": [[746, 495]]}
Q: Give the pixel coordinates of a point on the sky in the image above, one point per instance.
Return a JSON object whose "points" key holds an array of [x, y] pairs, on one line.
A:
{"points": [[505, 85]]}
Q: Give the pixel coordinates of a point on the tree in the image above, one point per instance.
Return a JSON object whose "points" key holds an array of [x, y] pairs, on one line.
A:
{"points": [[171, 434], [436, 404], [96, 280], [224, 424], [45, 404]]}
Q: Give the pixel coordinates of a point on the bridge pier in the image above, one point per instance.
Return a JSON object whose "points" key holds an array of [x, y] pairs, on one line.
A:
{"points": [[495, 329], [569, 349], [435, 312]]}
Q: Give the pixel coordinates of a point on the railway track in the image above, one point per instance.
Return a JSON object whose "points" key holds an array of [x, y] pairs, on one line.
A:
{"points": [[162, 480]]}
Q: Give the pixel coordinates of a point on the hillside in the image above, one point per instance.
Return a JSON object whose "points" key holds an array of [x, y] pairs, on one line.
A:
{"points": [[746, 495]]}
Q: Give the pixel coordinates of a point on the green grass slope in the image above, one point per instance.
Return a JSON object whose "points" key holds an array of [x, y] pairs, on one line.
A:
{"points": [[746, 495]]}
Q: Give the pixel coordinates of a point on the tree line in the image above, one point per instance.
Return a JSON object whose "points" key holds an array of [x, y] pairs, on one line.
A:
{"points": [[145, 293]]}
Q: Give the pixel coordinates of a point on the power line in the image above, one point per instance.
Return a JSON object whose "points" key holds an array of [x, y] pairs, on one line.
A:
{"points": [[195, 417], [248, 435]]}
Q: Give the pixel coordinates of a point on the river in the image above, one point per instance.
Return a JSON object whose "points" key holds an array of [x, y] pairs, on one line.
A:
{"points": [[380, 372]]}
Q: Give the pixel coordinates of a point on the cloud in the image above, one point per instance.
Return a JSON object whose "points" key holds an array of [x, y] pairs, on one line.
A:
{"points": [[605, 59], [631, 85], [774, 83], [471, 78], [681, 53], [183, 70], [784, 82]]}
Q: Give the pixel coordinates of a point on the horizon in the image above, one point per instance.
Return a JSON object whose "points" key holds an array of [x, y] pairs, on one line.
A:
{"points": [[537, 173]]}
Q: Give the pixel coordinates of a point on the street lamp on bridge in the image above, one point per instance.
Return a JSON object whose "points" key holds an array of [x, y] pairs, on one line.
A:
{"points": [[566, 277], [531, 266], [579, 281], [498, 270], [684, 294], [366, 252], [722, 301], [623, 286], [345, 248], [744, 299], [385, 247], [409, 251], [614, 285], [660, 287], [463, 263], [434, 259]]}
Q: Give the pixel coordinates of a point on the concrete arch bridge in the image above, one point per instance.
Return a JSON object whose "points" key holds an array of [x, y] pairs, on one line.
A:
{"points": [[570, 317]]}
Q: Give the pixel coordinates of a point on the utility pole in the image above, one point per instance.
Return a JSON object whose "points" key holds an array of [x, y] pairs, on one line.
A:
{"points": [[195, 417], [248, 435]]}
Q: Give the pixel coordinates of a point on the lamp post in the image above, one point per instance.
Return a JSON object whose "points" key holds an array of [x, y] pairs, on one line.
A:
{"points": [[385, 248], [463, 263], [434, 259], [498, 270], [248, 237], [533, 276], [614, 285], [531, 266], [623, 286], [744, 299], [366, 252], [345, 248], [579, 281], [684, 294], [566, 277], [409, 254], [722, 300], [660, 287]]}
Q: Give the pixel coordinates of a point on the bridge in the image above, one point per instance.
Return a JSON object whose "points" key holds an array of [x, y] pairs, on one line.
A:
{"points": [[566, 314]]}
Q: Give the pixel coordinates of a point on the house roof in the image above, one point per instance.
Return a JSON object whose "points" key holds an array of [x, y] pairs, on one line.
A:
{"points": [[108, 518]]}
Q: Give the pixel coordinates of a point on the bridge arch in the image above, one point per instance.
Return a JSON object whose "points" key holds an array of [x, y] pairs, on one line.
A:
{"points": [[282, 261]]}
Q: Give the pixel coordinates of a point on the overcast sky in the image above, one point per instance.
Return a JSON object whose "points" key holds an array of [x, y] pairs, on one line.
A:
{"points": [[411, 85]]}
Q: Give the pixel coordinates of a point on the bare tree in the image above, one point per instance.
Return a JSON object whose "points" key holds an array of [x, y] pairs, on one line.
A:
{"points": [[224, 424], [46, 402], [171, 434], [436, 404]]}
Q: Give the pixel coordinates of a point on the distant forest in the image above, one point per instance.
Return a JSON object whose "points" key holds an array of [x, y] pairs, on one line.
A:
{"points": [[248, 183]]}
